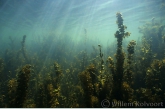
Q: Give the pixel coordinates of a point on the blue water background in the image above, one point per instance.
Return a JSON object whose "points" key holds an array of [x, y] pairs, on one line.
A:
{"points": [[75, 20]]}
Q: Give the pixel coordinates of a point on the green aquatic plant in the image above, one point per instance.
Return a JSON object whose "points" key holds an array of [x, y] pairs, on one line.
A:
{"points": [[153, 33], [53, 93], [101, 56], [22, 50], [155, 77], [1, 69], [58, 73], [88, 80], [55, 87], [127, 85], [101, 76], [12, 86], [23, 47], [21, 90], [118, 70], [129, 73], [152, 47], [83, 79]]}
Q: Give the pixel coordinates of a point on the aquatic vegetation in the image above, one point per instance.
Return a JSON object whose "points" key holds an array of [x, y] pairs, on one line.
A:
{"points": [[59, 76], [1, 68], [101, 56], [88, 79], [22, 86], [153, 33], [118, 69], [155, 76], [129, 73]]}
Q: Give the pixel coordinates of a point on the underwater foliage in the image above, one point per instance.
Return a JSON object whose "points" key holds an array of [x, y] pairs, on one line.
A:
{"points": [[22, 86], [48, 76]]}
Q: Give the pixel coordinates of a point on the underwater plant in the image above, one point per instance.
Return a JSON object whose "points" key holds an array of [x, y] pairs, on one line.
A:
{"points": [[22, 50], [129, 73], [62, 77], [22, 86], [118, 70], [88, 79]]}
